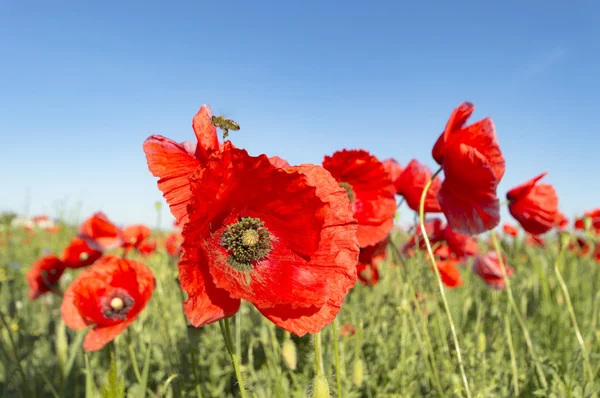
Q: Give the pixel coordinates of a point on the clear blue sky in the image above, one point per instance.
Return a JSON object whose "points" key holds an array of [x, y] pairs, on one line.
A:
{"points": [[82, 84]]}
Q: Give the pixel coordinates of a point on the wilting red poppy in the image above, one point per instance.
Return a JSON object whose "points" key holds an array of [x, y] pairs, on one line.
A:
{"points": [[369, 189], [368, 274], [534, 205], [173, 243], [449, 272], [43, 275], [411, 183], [510, 230], [147, 247], [174, 164], [533, 240], [473, 167], [100, 233], [109, 295], [79, 254], [461, 245], [393, 168], [561, 222], [488, 268], [594, 219], [282, 239], [278, 162], [134, 235]]}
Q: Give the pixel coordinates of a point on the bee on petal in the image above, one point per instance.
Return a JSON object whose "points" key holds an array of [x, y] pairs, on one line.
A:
{"points": [[224, 124]]}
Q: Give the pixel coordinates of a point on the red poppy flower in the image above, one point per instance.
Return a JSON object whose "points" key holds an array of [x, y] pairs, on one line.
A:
{"points": [[368, 274], [174, 164], [533, 240], [369, 189], [534, 205], [173, 244], [594, 220], [435, 232], [561, 222], [278, 162], [461, 245], [473, 167], [580, 246], [393, 168], [109, 295], [450, 273], [442, 251], [411, 183], [79, 254], [375, 253], [100, 233], [134, 235], [147, 247], [488, 268], [510, 230], [282, 239], [347, 329], [43, 275]]}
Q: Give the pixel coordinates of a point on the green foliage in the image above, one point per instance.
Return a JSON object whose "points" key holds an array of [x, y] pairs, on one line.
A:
{"points": [[402, 346]]}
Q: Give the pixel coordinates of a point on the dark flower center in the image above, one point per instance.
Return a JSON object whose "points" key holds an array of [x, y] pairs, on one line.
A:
{"points": [[117, 306], [349, 191], [246, 241]]}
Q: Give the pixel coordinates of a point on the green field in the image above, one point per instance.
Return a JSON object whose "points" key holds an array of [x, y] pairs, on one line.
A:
{"points": [[402, 345]]}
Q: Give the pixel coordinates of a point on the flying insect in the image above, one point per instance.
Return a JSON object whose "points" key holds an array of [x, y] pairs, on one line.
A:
{"points": [[224, 124]]}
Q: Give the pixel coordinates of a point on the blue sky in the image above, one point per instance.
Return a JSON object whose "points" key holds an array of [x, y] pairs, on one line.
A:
{"points": [[82, 84]]}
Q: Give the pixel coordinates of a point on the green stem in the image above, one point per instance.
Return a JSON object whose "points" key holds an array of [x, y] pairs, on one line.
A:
{"points": [[134, 363], [226, 331], [441, 284], [318, 354], [517, 313], [338, 376], [13, 346], [563, 286], [511, 349]]}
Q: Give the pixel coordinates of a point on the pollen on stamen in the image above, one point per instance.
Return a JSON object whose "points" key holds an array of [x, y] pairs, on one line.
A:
{"points": [[83, 256], [117, 304]]}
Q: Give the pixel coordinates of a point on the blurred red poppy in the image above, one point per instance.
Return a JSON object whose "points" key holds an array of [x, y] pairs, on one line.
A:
{"points": [[450, 273], [561, 222], [533, 240], [393, 168], [411, 183], [473, 167], [79, 254], [375, 253], [594, 219], [510, 230], [488, 268], [147, 248], [174, 164], [109, 295], [579, 246], [369, 189], [100, 233], [283, 239], [461, 245], [347, 329], [368, 274], [534, 206], [43, 275], [134, 235], [173, 244]]}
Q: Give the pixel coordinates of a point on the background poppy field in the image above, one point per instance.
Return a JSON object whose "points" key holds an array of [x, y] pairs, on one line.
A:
{"points": [[337, 220]]}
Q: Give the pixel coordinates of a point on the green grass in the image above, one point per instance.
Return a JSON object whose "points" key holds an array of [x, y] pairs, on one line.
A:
{"points": [[403, 346]]}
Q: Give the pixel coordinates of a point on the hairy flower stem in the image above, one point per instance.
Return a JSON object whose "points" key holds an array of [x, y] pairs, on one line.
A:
{"points": [[226, 332], [440, 283], [565, 290], [517, 313], [338, 375]]}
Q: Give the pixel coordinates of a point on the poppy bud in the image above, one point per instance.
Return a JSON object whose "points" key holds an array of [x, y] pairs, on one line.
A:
{"points": [[358, 371], [288, 354], [481, 343], [565, 238], [587, 223], [320, 387]]}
